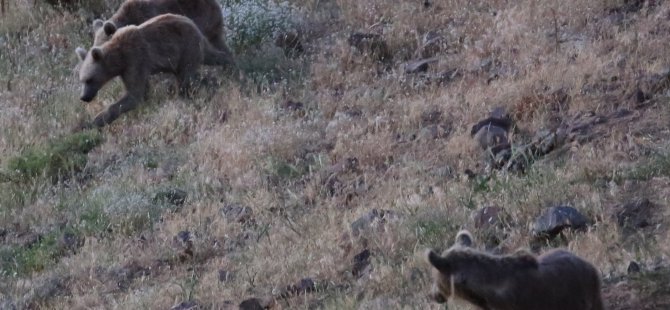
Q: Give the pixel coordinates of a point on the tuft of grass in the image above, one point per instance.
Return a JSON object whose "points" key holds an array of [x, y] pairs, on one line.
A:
{"points": [[658, 165], [57, 158], [23, 260]]}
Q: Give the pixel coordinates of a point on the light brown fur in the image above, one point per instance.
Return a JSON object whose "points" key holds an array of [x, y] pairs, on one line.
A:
{"points": [[555, 280], [205, 14], [166, 43]]}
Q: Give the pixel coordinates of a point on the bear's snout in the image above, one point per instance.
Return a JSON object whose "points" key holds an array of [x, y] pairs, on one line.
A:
{"points": [[86, 98], [88, 94]]}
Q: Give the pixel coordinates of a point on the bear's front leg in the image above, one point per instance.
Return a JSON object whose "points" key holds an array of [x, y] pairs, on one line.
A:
{"points": [[136, 85]]}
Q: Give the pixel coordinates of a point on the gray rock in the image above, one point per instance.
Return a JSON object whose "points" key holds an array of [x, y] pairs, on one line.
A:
{"points": [[225, 276], [635, 214], [555, 219], [633, 267], [416, 66], [370, 219], [432, 132], [361, 264], [252, 304], [186, 305]]}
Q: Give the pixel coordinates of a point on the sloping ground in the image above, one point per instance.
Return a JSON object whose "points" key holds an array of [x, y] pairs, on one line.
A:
{"points": [[320, 183]]}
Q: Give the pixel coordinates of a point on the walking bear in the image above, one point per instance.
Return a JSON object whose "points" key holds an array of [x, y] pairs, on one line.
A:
{"points": [[206, 14], [555, 280], [166, 43]]}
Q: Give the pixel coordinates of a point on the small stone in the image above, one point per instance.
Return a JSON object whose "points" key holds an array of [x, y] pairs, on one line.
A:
{"points": [[555, 219], [432, 132], [184, 236], [635, 214], [251, 304], [173, 196], [431, 116], [488, 217], [224, 276], [306, 285], [186, 305], [633, 267], [417, 66], [361, 263], [366, 221]]}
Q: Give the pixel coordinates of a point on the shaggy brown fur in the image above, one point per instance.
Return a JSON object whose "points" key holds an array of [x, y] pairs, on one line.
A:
{"points": [[166, 43], [206, 14], [556, 280]]}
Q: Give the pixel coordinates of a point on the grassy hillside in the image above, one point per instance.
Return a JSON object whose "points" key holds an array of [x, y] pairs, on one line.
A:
{"points": [[320, 181]]}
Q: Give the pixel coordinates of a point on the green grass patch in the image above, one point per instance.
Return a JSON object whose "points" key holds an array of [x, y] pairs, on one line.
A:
{"points": [[21, 260], [56, 159]]}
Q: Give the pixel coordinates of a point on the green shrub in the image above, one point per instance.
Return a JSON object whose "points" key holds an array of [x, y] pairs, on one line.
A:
{"points": [[252, 22], [58, 157]]}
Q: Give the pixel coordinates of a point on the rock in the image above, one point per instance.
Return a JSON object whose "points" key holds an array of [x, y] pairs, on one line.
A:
{"points": [[432, 132], [416, 66], [370, 219], [173, 196], [361, 264], [186, 305], [555, 219], [306, 285], [184, 244], [491, 132], [371, 44], [490, 221], [635, 214], [236, 212], [633, 267], [252, 304], [290, 43], [488, 217], [225, 276]]}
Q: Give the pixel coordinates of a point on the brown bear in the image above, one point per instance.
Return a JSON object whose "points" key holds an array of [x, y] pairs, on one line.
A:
{"points": [[206, 14], [555, 280], [166, 43]]}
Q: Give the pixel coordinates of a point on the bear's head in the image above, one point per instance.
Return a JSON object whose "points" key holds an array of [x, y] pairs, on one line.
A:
{"points": [[445, 266], [103, 31], [93, 72]]}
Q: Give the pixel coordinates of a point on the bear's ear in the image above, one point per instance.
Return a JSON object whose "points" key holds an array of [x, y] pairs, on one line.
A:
{"points": [[436, 261], [109, 28], [464, 238], [81, 53], [97, 24], [96, 53]]}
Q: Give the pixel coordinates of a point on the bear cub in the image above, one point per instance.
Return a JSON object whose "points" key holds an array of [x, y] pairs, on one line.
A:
{"points": [[555, 280], [167, 43]]}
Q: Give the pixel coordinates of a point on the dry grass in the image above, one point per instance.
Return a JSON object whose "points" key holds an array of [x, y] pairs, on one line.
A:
{"points": [[239, 146]]}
